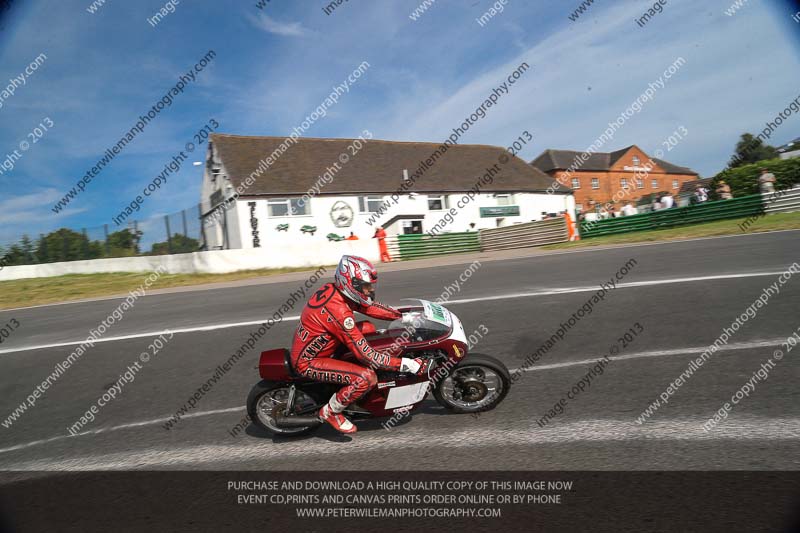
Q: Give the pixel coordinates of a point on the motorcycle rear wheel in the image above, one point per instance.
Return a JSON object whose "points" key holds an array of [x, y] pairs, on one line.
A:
{"points": [[266, 396], [478, 383]]}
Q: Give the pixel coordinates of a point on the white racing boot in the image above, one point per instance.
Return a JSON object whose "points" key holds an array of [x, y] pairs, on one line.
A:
{"points": [[332, 414]]}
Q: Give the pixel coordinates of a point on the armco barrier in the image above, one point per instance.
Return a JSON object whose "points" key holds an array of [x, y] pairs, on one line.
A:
{"points": [[744, 206], [782, 201], [524, 235], [415, 246]]}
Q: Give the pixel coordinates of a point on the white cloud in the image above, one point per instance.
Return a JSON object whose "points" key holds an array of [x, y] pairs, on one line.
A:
{"points": [[30, 214], [581, 80], [289, 29]]}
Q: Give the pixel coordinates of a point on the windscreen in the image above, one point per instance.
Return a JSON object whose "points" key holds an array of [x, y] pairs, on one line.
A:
{"points": [[425, 321]]}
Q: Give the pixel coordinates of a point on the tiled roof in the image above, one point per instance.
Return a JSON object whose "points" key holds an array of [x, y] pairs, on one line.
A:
{"points": [[376, 169], [550, 160]]}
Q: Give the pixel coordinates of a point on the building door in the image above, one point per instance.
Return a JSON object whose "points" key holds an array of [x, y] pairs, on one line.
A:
{"points": [[412, 227]]}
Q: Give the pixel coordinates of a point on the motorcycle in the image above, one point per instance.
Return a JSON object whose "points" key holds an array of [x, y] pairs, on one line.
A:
{"points": [[286, 404]]}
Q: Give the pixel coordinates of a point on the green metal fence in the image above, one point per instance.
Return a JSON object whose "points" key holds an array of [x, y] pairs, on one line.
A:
{"points": [[667, 218], [415, 246]]}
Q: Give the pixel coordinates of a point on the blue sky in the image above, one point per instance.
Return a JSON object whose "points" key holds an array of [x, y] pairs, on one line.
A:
{"points": [[274, 66]]}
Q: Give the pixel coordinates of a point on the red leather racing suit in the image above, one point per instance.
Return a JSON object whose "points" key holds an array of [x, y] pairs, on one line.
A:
{"points": [[326, 323]]}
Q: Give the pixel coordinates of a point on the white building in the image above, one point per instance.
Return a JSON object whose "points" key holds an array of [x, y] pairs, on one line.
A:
{"points": [[790, 149], [304, 191]]}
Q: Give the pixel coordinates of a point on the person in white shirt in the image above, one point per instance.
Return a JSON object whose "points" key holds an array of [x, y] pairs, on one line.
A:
{"points": [[628, 210], [667, 201], [766, 181]]}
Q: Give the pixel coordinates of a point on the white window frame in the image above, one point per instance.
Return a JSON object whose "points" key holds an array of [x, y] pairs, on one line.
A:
{"points": [[654, 183], [576, 180], [675, 184], [442, 198], [623, 183], [595, 183], [365, 201], [639, 183], [509, 198], [636, 161], [288, 203]]}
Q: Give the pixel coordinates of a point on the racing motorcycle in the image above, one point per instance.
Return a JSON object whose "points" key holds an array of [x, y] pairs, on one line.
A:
{"points": [[286, 404]]}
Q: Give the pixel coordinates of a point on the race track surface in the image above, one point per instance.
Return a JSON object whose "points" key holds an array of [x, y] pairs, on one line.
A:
{"points": [[682, 294]]}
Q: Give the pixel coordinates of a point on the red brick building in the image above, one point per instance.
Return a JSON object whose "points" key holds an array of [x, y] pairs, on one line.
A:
{"points": [[614, 177]]}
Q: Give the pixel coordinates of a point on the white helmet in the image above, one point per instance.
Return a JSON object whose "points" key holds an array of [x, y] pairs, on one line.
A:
{"points": [[356, 278]]}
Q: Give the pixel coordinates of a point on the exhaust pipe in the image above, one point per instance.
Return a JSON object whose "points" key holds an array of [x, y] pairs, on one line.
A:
{"points": [[296, 421]]}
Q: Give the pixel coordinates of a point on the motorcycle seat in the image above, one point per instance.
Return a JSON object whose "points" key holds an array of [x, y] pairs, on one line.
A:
{"points": [[287, 361]]}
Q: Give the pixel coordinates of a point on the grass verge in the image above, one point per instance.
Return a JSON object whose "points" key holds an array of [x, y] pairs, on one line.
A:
{"points": [[38, 291], [778, 221]]}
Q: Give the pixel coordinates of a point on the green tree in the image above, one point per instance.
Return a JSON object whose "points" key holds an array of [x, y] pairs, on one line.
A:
{"points": [[124, 243], [14, 255], [26, 251], [66, 245], [21, 253], [751, 149], [179, 244], [744, 180]]}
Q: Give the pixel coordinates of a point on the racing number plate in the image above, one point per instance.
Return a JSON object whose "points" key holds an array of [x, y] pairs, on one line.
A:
{"points": [[406, 395], [436, 313]]}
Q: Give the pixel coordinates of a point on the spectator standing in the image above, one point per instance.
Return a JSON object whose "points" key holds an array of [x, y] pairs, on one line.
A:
{"points": [[656, 204], [572, 234], [667, 201], [724, 190], [380, 234], [701, 193], [766, 181], [628, 210], [591, 216]]}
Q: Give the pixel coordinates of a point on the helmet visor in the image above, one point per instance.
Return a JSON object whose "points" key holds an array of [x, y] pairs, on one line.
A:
{"points": [[365, 288]]}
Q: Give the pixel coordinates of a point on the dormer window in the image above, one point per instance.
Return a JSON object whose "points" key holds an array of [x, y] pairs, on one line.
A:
{"points": [[215, 172]]}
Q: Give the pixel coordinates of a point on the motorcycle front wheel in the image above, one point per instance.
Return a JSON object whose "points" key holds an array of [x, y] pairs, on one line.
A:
{"points": [[478, 383]]}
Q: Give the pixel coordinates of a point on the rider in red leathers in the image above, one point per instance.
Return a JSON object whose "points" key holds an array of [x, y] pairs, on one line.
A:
{"points": [[327, 322]]}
